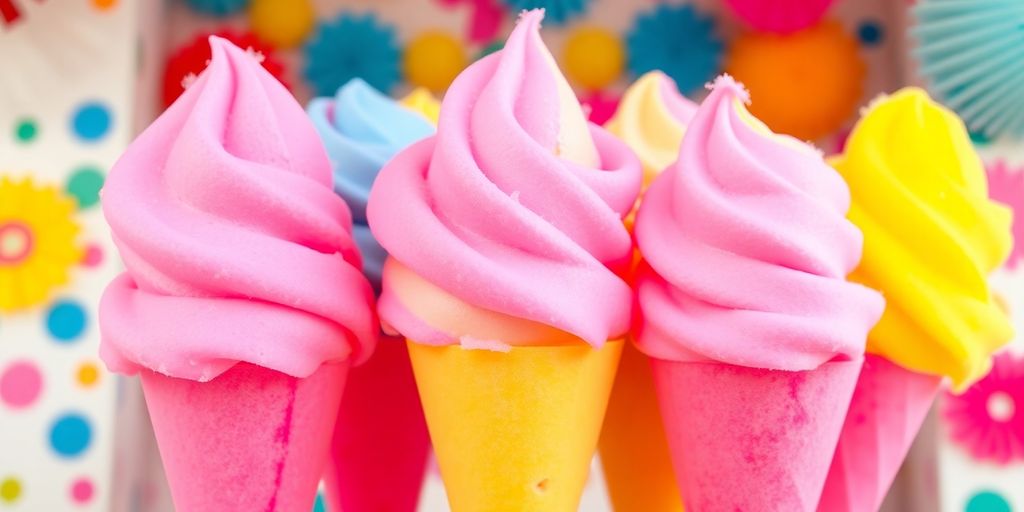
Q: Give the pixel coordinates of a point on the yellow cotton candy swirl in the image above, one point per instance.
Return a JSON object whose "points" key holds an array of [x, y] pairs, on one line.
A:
{"points": [[421, 101], [651, 120], [931, 237]]}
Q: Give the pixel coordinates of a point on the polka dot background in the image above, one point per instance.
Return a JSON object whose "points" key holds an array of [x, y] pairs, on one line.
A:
{"points": [[56, 400], [967, 484]]}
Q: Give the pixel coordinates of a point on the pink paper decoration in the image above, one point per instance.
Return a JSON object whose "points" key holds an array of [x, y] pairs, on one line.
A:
{"points": [[781, 16], [988, 419]]}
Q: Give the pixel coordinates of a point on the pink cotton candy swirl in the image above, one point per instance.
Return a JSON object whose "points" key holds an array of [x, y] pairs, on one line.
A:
{"points": [[236, 247], [748, 250], [490, 213]]}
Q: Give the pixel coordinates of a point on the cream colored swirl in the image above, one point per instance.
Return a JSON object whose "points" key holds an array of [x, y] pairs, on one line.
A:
{"points": [[651, 119]]}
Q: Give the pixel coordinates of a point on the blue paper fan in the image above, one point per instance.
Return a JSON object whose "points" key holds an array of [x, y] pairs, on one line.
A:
{"points": [[972, 54]]}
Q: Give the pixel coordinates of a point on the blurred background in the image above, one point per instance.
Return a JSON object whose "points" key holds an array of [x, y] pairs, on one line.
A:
{"points": [[78, 78]]}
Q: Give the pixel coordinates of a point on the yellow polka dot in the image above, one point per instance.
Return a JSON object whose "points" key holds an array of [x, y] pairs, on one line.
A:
{"points": [[282, 23], [593, 57], [103, 5], [433, 60], [88, 375], [10, 490]]}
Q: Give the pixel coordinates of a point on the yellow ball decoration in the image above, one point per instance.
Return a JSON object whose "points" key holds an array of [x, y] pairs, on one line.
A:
{"points": [[433, 59], [593, 57], [282, 23]]}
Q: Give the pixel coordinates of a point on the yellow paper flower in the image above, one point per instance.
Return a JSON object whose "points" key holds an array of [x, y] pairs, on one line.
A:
{"points": [[37, 242]]}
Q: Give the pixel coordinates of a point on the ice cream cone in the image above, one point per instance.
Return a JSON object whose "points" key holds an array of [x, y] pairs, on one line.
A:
{"points": [[752, 439], [250, 439], [514, 430], [633, 449], [380, 445], [885, 414]]}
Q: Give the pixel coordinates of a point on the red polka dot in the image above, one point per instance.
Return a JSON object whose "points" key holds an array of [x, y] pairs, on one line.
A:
{"points": [[20, 384], [93, 256], [82, 491]]}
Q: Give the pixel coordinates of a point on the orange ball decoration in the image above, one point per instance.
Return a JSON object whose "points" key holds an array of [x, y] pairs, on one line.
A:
{"points": [[806, 84]]}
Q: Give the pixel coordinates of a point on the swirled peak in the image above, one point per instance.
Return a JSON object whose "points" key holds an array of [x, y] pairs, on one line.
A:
{"points": [[931, 236], [362, 129], [651, 119], [748, 248], [507, 225], [235, 246]]}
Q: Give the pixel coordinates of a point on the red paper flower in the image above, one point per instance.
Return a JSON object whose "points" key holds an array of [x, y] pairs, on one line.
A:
{"points": [[988, 419], [191, 59], [1006, 186]]}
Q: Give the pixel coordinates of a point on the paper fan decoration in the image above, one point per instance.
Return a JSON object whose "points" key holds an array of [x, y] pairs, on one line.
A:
{"points": [[1006, 186], [678, 40], [192, 58], [353, 46], [972, 53], [49, 43], [37, 242], [779, 16], [557, 12], [988, 419]]}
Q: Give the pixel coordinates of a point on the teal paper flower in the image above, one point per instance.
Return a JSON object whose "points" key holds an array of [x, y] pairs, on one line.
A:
{"points": [[352, 46], [677, 40], [556, 12], [217, 7]]}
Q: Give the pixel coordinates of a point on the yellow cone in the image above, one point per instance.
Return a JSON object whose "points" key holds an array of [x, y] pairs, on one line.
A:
{"points": [[516, 430]]}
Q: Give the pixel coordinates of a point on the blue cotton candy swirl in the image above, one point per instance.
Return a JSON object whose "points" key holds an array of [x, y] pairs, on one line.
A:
{"points": [[361, 130]]}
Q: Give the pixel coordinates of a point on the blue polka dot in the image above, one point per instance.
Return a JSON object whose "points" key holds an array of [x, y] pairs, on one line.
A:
{"points": [[870, 33], [70, 435], [65, 321], [318, 505], [91, 121], [987, 501]]}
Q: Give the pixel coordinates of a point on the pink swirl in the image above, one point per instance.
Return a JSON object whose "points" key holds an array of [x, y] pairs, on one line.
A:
{"points": [[488, 211], [236, 247], [748, 249]]}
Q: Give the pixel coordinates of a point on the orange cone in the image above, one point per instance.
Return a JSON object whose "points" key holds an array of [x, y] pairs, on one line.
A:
{"points": [[634, 451]]}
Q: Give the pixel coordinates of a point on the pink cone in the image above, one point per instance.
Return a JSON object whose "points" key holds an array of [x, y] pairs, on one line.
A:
{"points": [[752, 439], [251, 439], [380, 446], [888, 407]]}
